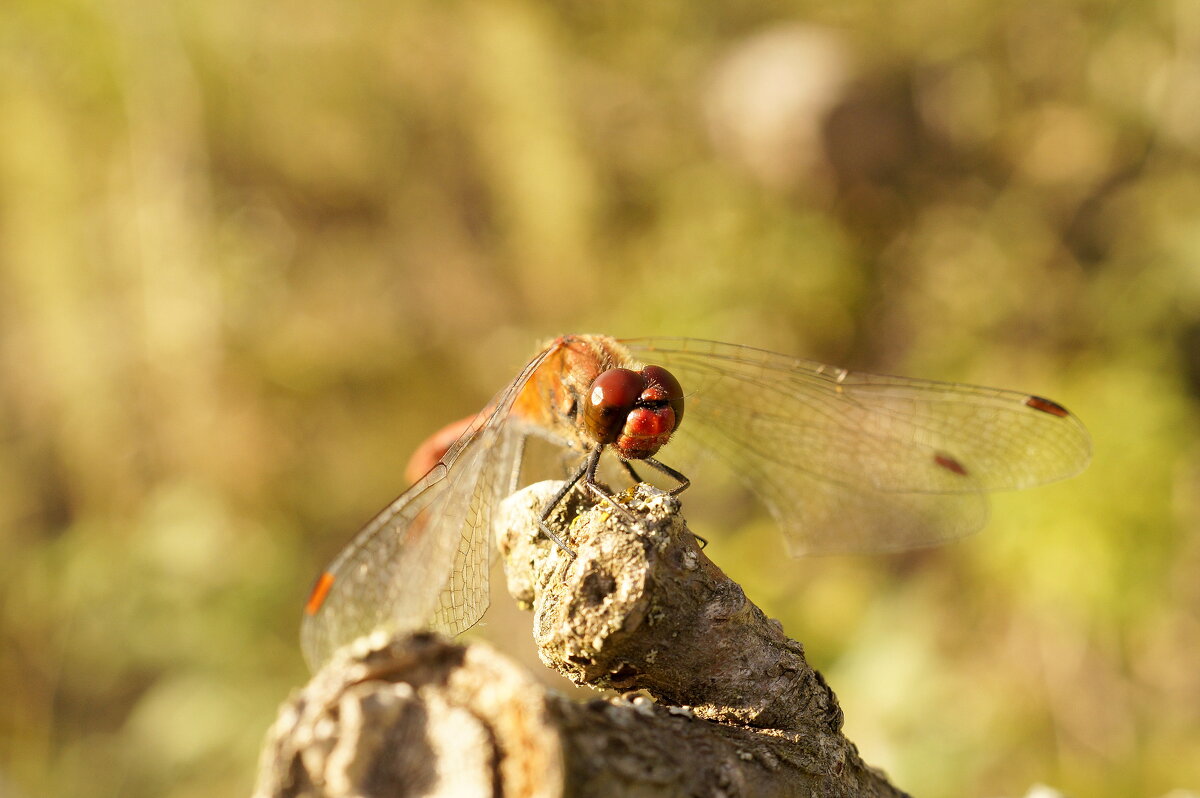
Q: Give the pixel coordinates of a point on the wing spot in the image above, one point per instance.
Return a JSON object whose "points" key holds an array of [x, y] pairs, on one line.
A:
{"points": [[1047, 406], [320, 590], [950, 464]]}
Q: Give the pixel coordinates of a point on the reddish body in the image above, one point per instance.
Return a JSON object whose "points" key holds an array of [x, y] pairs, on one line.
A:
{"points": [[845, 461], [554, 399]]}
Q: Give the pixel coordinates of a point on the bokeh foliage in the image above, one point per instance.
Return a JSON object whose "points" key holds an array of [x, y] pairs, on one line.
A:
{"points": [[251, 254]]}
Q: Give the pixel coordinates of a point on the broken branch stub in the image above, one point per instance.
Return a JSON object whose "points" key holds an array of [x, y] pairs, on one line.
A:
{"points": [[641, 607], [416, 715]]}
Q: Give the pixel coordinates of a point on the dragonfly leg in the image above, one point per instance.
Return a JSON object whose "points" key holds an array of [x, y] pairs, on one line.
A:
{"points": [[629, 470], [672, 473], [684, 482], [599, 490], [558, 497], [587, 473]]}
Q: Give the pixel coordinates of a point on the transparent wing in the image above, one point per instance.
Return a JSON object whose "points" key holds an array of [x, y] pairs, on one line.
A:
{"points": [[464, 597], [423, 561], [860, 462]]}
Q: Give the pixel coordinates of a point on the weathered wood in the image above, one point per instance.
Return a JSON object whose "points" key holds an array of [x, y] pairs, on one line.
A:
{"points": [[737, 710]]}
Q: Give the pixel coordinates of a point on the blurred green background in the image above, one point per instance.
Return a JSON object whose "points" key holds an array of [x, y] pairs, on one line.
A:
{"points": [[252, 253]]}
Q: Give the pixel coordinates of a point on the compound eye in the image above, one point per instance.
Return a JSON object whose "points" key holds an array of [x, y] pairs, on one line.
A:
{"points": [[658, 377], [610, 399]]}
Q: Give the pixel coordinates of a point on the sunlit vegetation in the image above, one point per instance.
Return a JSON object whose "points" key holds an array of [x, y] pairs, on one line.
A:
{"points": [[252, 254]]}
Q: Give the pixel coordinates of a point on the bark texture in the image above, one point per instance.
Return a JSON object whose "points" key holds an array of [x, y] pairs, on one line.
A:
{"points": [[736, 709]]}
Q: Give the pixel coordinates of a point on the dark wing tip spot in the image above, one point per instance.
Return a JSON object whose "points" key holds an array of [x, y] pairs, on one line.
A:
{"points": [[950, 464], [1047, 406], [317, 597]]}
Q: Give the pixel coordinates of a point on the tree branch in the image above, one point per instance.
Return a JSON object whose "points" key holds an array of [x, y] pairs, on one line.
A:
{"points": [[641, 608]]}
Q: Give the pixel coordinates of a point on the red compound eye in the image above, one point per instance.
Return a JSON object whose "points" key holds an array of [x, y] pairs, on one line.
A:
{"points": [[610, 399], [668, 389]]}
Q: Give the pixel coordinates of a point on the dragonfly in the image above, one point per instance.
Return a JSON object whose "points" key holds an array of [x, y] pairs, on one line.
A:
{"points": [[845, 462]]}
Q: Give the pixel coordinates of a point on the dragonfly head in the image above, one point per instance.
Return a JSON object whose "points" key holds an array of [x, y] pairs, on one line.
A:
{"points": [[635, 411]]}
